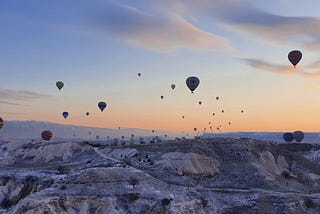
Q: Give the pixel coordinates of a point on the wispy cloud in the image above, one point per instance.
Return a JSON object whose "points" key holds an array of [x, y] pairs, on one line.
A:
{"points": [[14, 97], [157, 32], [267, 66], [243, 16], [311, 70]]}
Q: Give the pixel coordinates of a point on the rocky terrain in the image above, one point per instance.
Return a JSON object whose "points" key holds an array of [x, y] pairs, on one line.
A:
{"points": [[190, 176]]}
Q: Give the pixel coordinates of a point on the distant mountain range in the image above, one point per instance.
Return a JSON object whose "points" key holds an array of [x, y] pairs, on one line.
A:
{"points": [[16, 129]]}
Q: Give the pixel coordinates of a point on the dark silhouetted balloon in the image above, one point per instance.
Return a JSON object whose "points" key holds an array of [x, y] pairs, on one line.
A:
{"points": [[1, 123], [165, 135], [200, 102], [222, 111], [139, 74], [173, 86], [213, 114], [152, 131], [46, 135], [217, 98], [195, 129], [132, 135], [298, 136], [102, 106], [161, 97], [182, 116], [229, 123], [89, 133], [87, 113], [59, 85], [119, 127], [242, 111], [294, 57], [288, 136], [209, 123], [65, 114], [192, 83]]}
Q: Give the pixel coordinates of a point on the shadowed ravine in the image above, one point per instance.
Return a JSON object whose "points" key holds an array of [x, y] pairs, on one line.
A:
{"points": [[191, 176]]}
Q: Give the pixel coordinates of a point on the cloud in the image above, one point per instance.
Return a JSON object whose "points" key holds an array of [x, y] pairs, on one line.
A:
{"points": [[242, 16], [311, 70], [13, 97], [266, 66], [157, 32]]}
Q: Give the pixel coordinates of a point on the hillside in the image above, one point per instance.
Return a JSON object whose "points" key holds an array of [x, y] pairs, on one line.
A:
{"points": [[17, 129], [191, 176]]}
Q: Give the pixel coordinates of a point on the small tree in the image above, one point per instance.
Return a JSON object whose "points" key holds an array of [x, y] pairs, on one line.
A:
{"points": [[133, 181]]}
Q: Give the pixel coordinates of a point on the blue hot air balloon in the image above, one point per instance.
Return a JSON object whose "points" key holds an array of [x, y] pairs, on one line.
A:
{"points": [[102, 106], [65, 114], [192, 83], [288, 136]]}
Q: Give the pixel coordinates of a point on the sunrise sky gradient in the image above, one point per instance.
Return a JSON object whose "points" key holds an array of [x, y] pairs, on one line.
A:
{"points": [[238, 49]]}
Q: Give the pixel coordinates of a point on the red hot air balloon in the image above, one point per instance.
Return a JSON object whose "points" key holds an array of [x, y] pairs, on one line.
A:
{"points": [[46, 135], [294, 57]]}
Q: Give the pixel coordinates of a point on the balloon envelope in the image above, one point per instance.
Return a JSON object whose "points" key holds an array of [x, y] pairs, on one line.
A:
{"points": [[200, 102], [217, 98], [161, 97], [139, 74], [173, 86], [46, 135], [59, 84], [1, 122], [102, 106], [65, 114], [87, 113], [288, 136], [298, 136], [192, 83], [294, 57]]}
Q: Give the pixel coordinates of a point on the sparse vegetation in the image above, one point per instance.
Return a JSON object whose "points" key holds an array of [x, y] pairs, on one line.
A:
{"points": [[309, 203], [166, 201], [133, 182]]}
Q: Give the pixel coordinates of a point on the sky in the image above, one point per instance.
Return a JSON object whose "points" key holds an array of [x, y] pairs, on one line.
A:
{"points": [[237, 48]]}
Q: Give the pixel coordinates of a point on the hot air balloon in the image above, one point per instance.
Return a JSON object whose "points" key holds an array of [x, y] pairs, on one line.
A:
{"points": [[294, 57], [241, 111], [288, 136], [195, 129], [102, 106], [183, 117], [213, 114], [1, 123], [209, 123], [298, 136], [192, 83], [217, 98], [89, 133], [200, 102], [46, 135], [65, 114], [222, 111], [87, 113], [59, 85], [132, 135], [152, 131], [173, 86], [165, 135], [119, 127], [161, 97], [139, 74], [229, 123]]}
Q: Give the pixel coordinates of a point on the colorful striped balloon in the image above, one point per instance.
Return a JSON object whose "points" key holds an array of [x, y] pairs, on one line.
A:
{"points": [[46, 135], [1, 122]]}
